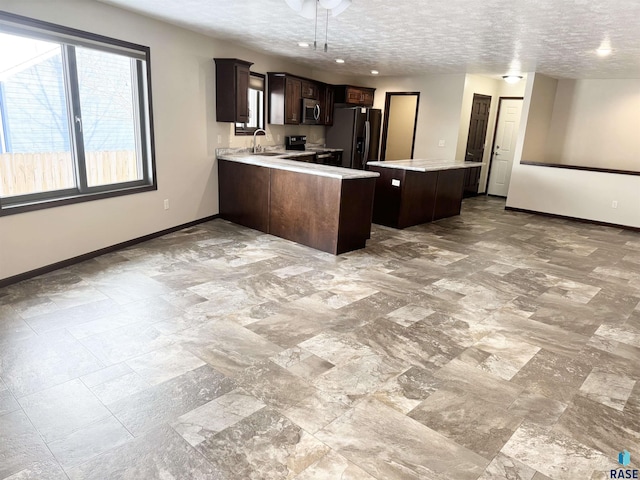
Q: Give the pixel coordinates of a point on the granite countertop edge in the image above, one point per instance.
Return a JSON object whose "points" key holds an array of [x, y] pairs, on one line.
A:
{"points": [[280, 163], [424, 165]]}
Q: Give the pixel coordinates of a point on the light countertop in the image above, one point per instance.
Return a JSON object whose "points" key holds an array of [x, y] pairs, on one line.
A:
{"points": [[281, 162], [424, 165]]}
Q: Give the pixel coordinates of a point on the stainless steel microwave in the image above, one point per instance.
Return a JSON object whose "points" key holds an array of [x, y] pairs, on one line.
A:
{"points": [[311, 113]]}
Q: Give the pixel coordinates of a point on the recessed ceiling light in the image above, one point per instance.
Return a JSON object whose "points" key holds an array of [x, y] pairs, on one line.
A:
{"points": [[339, 60], [303, 44], [374, 72], [512, 78], [605, 48]]}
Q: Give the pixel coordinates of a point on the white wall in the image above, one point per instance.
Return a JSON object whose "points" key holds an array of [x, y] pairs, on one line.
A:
{"points": [[572, 193], [538, 110], [186, 136], [596, 123], [438, 112]]}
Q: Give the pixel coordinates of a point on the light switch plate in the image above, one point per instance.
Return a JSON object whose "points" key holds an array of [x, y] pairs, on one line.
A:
{"points": [[395, 183], [441, 143]]}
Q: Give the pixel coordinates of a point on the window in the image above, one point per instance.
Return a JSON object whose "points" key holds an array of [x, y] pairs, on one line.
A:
{"points": [[75, 121], [256, 106]]}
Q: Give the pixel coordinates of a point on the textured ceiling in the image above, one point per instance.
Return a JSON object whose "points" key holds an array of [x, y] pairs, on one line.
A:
{"points": [[404, 37]]}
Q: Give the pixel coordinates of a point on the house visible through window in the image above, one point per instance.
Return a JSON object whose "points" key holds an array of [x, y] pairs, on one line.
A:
{"points": [[256, 106], [75, 118]]}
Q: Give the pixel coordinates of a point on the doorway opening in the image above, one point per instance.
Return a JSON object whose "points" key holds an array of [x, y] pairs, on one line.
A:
{"points": [[503, 147], [399, 127]]}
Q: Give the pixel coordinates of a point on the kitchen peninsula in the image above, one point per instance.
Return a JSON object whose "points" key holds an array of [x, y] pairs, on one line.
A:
{"points": [[324, 207], [411, 192]]}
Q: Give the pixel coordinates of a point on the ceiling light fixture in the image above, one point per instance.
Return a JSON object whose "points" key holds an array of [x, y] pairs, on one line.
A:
{"points": [[339, 60], [512, 78], [303, 44], [605, 48], [374, 72], [309, 9]]}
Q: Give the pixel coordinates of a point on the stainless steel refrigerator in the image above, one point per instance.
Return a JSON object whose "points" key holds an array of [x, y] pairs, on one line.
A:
{"points": [[356, 131]]}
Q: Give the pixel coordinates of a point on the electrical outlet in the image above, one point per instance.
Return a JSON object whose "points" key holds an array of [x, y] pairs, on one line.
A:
{"points": [[166, 204], [441, 143], [614, 204], [278, 138], [219, 139]]}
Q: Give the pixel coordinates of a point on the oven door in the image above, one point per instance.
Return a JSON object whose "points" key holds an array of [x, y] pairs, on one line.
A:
{"points": [[310, 111]]}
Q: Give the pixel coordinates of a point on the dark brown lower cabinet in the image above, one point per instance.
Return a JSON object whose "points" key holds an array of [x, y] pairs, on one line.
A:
{"points": [[244, 194], [329, 214], [448, 193], [405, 197], [471, 181]]}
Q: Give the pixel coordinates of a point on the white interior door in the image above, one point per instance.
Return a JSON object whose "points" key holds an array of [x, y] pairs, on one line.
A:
{"points": [[505, 145]]}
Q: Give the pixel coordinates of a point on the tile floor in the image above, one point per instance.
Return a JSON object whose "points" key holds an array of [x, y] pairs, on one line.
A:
{"points": [[493, 345]]}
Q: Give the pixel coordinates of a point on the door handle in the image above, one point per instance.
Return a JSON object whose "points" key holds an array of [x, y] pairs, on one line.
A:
{"points": [[470, 154]]}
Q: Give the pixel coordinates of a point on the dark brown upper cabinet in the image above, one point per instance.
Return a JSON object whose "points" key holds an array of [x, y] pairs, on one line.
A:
{"points": [[232, 90], [309, 89], [326, 102], [285, 94], [350, 95]]}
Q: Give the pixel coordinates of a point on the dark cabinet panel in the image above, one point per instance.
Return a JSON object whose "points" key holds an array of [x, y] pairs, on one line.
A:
{"points": [[419, 198], [242, 93], [285, 95], [232, 90], [404, 197], [387, 197], [304, 208], [471, 181], [285, 99], [351, 95], [292, 99], [326, 104], [309, 89], [244, 194], [449, 193], [356, 209], [308, 158], [330, 214]]}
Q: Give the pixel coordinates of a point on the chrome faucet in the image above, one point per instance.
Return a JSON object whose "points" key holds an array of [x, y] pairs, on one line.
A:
{"points": [[258, 130]]}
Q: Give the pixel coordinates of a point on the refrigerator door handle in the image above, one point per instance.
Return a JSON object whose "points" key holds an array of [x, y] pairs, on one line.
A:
{"points": [[367, 137]]}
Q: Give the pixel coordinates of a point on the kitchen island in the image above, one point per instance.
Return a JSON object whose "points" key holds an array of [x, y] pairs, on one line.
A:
{"points": [[411, 192], [323, 207]]}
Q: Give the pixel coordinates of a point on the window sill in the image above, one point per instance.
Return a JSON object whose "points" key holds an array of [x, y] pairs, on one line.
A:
{"points": [[23, 207]]}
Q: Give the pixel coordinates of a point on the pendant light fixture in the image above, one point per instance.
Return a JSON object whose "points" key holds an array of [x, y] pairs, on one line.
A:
{"points": [[309, 9]]}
